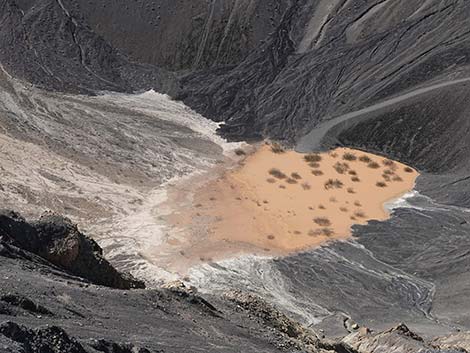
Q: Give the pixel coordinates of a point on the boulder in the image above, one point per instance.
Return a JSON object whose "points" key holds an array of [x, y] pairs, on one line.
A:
{"points": [[50, 339], [58, 240]]}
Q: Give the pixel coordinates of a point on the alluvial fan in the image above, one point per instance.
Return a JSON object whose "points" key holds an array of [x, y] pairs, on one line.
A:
{"points": [[101, 160]]}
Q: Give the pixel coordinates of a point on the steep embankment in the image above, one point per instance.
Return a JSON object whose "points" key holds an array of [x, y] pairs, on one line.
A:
{"points": [[179, 35], [48, 44], [364, 52], [57, 240], [414, 126]]}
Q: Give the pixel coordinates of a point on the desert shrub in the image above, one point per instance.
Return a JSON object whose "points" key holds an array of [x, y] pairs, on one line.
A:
{"points": [[282, 186], [333, 184], [374, 165], [333, 154], [277, 173], [351, 191], [333, 199], [408, 170], [341, 168], [397, 178], [381, 184], [388, 162], [314, 165], [317, 172], [314, 233], [206, 259], [296, 232], [352, 172], [321, 207], [271, 180], [296, 176], [322, 221], [355, 179], [348, 156], [291, 181], [327, 232], [271, 237], [360, 214], [318, 232], [312, 157], [386, 177], [240, 152], [306, 186], [343, 209], [388, 172], [365, 159], [277, 148], [357, 203]]}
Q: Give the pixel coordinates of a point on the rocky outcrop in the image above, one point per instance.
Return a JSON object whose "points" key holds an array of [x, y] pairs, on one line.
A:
{"points": [[54, 339], [112, 347], [189, 294], [19, 301], [59, 241], [51, 339], [397, 339], [105, 346], [267, 313], [297, 335], [459, 341]]}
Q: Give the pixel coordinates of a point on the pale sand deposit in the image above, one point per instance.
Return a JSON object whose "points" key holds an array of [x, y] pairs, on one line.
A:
{"points": [[278, 203]]}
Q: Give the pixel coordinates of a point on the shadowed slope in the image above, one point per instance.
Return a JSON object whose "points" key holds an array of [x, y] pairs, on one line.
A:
{"points": [[48, 45], [286, 87]]}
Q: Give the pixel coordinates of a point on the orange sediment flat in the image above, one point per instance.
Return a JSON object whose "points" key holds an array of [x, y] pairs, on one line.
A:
{"points": [[278, 203]]}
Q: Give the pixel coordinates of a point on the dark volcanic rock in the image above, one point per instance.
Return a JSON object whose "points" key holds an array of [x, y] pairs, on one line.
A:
{"points": [[112, 347], [125, 321], [4, 310], [269, 315], [190, 295], [431, 133], [57, 240], [269, 69], [49, 45], [184, 35], [51, 339], [24, 303], [306, 73]]}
